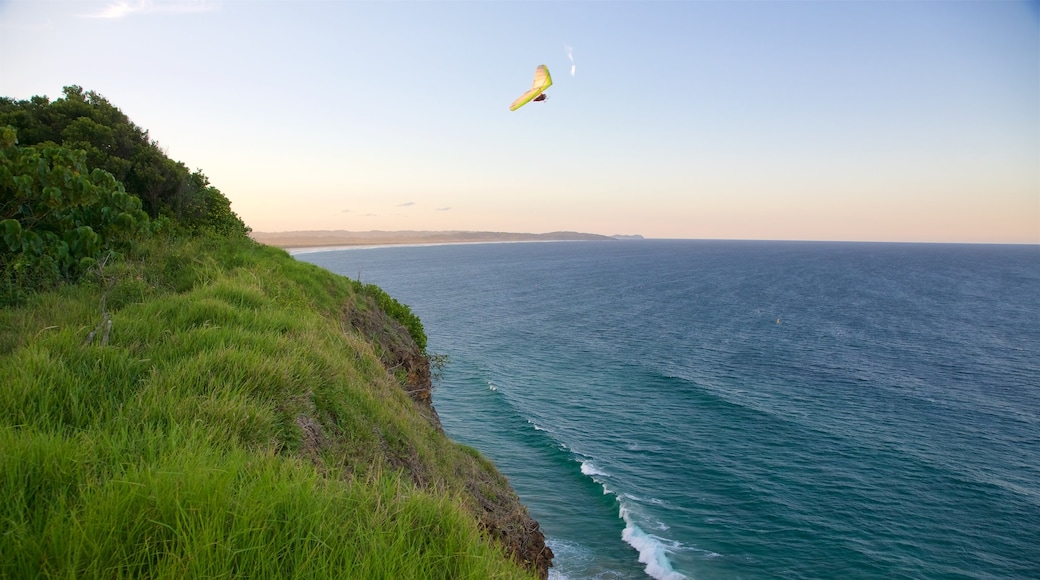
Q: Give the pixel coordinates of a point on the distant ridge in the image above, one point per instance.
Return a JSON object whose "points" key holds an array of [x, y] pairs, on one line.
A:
{"points": [[320, 238]]}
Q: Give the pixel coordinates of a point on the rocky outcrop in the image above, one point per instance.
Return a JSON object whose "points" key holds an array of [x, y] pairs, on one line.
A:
{"points": [[501, 515]]}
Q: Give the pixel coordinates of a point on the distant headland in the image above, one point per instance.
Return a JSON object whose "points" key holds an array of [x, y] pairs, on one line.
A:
{"points": [[322, 238]]}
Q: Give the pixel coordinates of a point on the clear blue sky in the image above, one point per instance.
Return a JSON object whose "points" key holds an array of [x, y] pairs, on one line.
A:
{"points": [[907, 121]]}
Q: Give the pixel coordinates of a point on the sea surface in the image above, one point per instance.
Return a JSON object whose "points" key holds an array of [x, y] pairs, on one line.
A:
{"points": [[725, 409]]}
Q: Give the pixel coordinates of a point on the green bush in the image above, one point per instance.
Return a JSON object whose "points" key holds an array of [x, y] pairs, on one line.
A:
{"points": [[86, 122], [57, 217], [399, 312]]}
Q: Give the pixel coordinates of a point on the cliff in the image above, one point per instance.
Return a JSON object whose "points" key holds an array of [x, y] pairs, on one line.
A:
{"points": [[213, 407], [501, 514]]}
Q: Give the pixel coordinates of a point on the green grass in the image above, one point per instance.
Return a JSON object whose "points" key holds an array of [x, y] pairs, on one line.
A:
{"points": [[233, 425]]}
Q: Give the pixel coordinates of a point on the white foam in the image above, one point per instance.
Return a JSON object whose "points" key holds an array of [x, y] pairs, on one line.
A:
{"points": [[652, 550], [538, 427], [568, 557], [649, 500], [588, 468]]}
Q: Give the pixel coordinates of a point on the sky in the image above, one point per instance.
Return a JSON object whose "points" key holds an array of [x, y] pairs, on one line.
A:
{"points": [[896, 120]]}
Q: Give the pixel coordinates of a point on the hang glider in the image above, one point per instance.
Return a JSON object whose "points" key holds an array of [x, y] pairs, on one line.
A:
{"points": [[542, 81]]}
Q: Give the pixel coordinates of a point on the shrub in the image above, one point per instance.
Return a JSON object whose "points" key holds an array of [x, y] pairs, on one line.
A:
{"points": [[56, 216], [399, 312]]}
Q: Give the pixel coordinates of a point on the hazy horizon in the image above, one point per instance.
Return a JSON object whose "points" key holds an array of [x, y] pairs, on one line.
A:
{"points": [[315, 239], [841, 121]]}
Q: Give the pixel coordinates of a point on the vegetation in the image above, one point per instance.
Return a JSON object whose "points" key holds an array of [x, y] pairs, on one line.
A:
{"points": [[180, 401], [78, 180], [109, 141], [400, 312]]}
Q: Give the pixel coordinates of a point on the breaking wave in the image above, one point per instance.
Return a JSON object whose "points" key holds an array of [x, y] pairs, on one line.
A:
{"points": [[653, 550]]}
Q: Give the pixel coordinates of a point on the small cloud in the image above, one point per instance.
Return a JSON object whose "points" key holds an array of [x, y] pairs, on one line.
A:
{"points": [[444, 209], [345, 211], [406, 204], [114, 10], [124, 8]]}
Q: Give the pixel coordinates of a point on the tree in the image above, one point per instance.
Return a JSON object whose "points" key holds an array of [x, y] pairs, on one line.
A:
{"points": [[57, 217], [87, 121]]}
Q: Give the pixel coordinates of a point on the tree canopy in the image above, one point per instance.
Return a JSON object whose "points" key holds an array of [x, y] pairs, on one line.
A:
{"points": [[78, 180], [86, 121]]}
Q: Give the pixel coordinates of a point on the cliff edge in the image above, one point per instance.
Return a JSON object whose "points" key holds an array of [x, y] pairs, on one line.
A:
{"points": [[214, 407], [500, 513]]}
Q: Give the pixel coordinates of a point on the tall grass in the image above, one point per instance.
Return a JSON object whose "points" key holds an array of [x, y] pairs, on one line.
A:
{"points": [[233, 425]]}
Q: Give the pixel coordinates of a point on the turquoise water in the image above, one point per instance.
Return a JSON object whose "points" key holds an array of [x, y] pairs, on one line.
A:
{"points": [[711, 409]]}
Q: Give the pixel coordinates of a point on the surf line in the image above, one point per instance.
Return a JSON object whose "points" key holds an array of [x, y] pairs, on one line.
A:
{"points": [[652, 551]]}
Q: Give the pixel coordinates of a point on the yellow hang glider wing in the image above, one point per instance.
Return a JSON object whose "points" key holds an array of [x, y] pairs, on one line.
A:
{"points": [[542, 81]]}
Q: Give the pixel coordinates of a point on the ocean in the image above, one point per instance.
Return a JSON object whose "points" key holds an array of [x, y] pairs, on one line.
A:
{"points": [[739, 409]]}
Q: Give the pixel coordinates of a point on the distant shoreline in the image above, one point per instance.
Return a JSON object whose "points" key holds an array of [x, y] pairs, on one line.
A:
{"points": [[332, 239]]}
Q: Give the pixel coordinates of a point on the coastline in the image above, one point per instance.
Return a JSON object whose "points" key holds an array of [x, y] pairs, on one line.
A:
{"points": [[324, 240], [297, 250]]}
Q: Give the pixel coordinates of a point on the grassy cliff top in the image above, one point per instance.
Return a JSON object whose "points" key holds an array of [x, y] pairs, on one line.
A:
{"points": [[212, 407]]}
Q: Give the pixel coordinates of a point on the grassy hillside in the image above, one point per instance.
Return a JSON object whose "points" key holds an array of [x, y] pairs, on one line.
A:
{"points": [[209, 407]]}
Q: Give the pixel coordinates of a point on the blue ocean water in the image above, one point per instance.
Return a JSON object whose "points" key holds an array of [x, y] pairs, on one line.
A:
{"points": [[724, 409]]}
